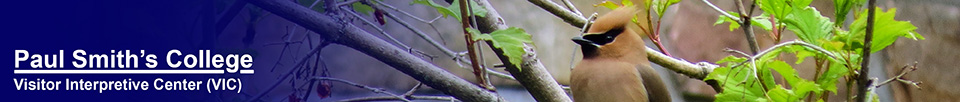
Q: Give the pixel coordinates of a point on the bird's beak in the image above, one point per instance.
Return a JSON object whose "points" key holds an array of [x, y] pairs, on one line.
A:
{"points": [[583, 42]]}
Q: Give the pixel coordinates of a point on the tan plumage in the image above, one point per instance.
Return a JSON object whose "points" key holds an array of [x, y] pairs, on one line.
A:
{"points": [[615, 66]]}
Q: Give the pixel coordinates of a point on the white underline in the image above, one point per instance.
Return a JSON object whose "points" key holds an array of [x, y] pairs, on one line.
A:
{"points": [[246, 71], [126, 71]]}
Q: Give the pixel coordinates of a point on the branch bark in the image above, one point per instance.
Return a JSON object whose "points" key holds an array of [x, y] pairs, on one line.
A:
{"points": [[349, 35], [568, 16], [534, 76], [862, 80]]}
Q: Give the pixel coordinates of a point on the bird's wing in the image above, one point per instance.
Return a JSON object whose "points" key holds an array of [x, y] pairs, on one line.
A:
{"points": [[656, 89]]}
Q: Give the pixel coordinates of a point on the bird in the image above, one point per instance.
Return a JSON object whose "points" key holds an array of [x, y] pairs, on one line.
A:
{"points": [[615, 67]]}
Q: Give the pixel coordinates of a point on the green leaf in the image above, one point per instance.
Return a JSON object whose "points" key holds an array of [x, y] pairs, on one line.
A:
{"points": [[886, 29], [809, 25], [647, 4], [510, 40], [765, 75], [660, 6], [762, 21], [626, 2], [739, 84], [785, 70], [731, 60], [724, 19], [802, 54], [612, 5], [477, 36], [805, 86], [842, 7], [800, 3], [781, 94], [362, 8], [778, 8], [608, 4], [828, 79], [454, 8], [799, 85]]}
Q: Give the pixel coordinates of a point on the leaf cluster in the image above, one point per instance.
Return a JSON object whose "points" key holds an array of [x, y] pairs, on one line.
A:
{"points": [[753, 80]]}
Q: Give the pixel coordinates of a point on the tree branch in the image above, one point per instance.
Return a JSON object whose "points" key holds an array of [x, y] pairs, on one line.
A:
{"points": [[699, 70], [570, 17], [903, 71], [433, 42], [472, 51], [389, 98], [784, 44], [571, 7], [534, 77], [375, 90], [333, 29], [721, 11], [747, 29], [862, 80]]}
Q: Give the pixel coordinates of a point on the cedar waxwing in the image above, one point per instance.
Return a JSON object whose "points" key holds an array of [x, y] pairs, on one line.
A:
{"points": [[615, 67]]}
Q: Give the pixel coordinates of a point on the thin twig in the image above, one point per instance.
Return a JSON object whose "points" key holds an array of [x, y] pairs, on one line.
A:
{"points": [[914, 84], [655, 38], [346, 2], [416, 31], [414, 89], [375, 90], [407, 13], [571, 7], [471, 46], [389, 98], [331, 28], [737, 52], [559, 11], [582, 31], [784, 44], [721, 11], [903, 71], [317, 2], [430, 22], [382, 32], [433, 42], [292, 69], [316, 65]]}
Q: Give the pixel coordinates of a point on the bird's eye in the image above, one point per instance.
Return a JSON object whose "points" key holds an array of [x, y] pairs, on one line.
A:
{"points": [[604, 38]]}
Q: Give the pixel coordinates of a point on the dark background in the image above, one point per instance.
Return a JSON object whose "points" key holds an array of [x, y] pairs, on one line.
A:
{"points": [[157, 26]]}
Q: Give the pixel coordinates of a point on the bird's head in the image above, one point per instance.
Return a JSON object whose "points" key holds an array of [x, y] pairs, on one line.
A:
{"points": [[613, 35]]}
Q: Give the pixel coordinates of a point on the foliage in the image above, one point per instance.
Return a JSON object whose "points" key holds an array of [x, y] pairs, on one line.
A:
{"points": [[845, 5], [510, 40], [809, 25], [887, 29], [660, 6], [454, 8], [836, 50], [761, 21]]}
